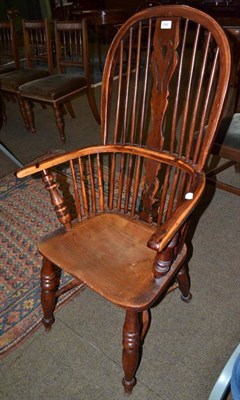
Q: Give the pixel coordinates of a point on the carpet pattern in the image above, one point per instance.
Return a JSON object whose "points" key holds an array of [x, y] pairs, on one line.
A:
{"points": [[25, 215]]}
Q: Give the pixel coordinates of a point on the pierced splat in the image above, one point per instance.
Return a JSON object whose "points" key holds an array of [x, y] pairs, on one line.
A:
{"points": [[164, 60]]}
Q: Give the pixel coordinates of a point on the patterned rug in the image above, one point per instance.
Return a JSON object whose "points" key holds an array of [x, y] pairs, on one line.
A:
{"points": [[25, 215]]}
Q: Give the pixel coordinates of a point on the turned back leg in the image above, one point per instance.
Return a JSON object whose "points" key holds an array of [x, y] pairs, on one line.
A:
{"points": [[50, 278], [183, 281]]}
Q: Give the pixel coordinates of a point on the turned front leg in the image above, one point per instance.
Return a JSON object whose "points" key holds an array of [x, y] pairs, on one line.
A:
{"points": [[131, 349], [50, 277]]}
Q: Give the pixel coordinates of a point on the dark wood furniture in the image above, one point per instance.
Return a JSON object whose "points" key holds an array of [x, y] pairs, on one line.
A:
{"points": [[227, 142], [227, 146], [58, 90], [36, 43], [9, 57], [100, 20], [9, 61], [129, 201]]}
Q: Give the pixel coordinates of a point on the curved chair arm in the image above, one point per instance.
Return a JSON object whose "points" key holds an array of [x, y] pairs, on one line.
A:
{"points": [[163, 235], [167, 230]]}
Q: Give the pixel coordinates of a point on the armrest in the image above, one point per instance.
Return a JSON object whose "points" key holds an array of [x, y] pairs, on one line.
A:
{"points": [[165, 232], [163, 235]]}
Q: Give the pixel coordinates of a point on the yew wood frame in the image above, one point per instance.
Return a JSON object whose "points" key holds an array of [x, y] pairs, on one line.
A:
{"points": [[167, 241]]}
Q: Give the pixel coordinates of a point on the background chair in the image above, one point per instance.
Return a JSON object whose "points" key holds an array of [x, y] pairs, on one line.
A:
{"points": [[227, 146], [37, 42], [227, 143], [71, 41], [127, 203], [9, 57]]}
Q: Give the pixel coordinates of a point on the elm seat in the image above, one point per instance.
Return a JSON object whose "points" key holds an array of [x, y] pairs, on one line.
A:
{"points": [[116, 231], [11, 81], [52, 87]]}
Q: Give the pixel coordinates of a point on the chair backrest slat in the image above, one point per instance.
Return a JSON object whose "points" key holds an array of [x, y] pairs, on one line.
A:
{"points": [[72, 53], [38, 44], [8, 43], [106, 181]]}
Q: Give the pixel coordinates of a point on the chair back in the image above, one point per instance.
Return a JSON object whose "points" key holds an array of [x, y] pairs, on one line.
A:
{"points": [[71, 40], [38, 44], [165, 78], [8, 43]]}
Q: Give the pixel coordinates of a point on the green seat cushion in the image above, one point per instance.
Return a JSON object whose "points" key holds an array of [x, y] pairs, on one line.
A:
{"points": [[53, 87], [12, 80]]}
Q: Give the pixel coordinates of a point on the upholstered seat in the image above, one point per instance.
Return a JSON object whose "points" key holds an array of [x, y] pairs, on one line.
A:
{"points": [[12, 80], [72, 55], [53, 87], [38, 62]]}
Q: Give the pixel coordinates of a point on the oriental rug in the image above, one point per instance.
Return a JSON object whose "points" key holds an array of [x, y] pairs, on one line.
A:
{"points": [[26, 214]]}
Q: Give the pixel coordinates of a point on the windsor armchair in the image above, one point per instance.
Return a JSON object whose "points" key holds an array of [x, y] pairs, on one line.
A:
{"points": [[39, 62], [129, 201], [58, 90]]}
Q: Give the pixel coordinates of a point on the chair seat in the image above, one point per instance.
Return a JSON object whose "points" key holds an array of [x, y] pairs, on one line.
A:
{"points": [[53, 87], [12, 80], [109, 253], [229, 132], [6, 68]]}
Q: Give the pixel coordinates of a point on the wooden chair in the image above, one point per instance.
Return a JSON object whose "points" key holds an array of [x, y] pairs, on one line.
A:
{"points": [[227, 146], [9, 57], [39, 61], [128, 203], [71, 43]]}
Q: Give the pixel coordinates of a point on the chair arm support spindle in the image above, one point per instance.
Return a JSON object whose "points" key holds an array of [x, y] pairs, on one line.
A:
{"points": [[56, 199]]}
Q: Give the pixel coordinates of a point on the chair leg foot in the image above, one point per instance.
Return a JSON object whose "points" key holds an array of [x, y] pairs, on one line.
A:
{"points": [[131, 349], [183, 281], [50, 278], [128, 386], [187, 299]]}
